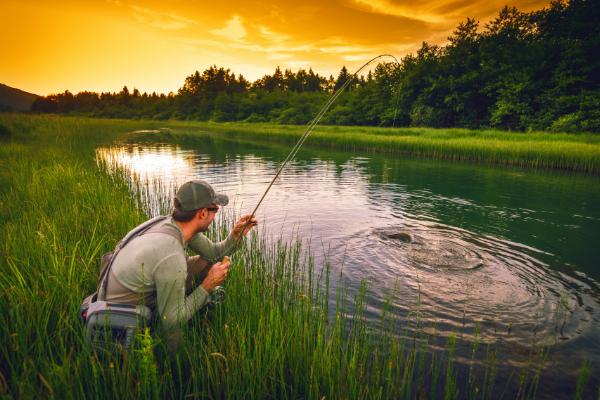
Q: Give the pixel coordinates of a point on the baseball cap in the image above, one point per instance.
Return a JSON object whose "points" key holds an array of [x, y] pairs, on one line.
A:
{"points": [[197, 194]]}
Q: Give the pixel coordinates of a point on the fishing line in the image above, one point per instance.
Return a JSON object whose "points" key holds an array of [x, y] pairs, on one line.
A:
{"points": [[312, 124]]}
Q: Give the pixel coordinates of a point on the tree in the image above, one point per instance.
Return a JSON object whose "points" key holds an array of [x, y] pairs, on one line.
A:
{"points": [[342, 78]]}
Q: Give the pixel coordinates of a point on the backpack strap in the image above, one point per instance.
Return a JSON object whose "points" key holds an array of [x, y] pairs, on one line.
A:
{"points": [[137, 231], [167, 229]]}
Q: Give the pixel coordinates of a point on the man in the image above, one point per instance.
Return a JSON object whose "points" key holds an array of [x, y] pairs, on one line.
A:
{"points": [[153, 269]]}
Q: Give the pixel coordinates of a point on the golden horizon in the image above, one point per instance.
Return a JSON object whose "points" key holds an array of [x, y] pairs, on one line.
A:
{"points": [[103, 45]]}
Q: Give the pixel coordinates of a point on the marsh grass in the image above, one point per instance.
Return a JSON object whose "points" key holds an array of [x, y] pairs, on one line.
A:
{"points": [[276, 335], [575, 152]]}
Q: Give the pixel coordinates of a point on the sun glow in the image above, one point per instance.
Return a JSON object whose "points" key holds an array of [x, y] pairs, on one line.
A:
{"points": [[49, 47]]}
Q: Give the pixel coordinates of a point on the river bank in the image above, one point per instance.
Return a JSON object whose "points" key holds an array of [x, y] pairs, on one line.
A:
{"points": [[561, 151], [536, 150]]}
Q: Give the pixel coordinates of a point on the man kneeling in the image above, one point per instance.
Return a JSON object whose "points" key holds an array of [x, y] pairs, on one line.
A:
{"points": [[154, 270]]}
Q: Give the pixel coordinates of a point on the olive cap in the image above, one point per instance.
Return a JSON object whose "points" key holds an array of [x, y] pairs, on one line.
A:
{"points": [[197, 194]]}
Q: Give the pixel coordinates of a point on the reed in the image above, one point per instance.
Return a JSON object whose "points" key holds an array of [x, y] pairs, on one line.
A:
{"points": [[574, 152], [277, 335]]}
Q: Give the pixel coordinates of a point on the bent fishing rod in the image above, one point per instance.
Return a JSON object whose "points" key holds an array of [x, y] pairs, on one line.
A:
{"points": [[310, 127]]}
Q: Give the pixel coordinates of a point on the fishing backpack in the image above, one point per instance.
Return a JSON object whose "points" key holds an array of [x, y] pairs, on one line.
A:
{"points": [[112, 326]]}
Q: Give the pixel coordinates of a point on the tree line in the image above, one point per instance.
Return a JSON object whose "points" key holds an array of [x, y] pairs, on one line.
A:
{"points": [[535, 70]]}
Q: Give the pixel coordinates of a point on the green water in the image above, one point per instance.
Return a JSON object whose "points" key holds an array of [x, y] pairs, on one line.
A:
{"points": [[533, 235]]}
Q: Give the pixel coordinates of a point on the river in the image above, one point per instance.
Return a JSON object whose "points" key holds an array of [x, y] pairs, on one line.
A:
{"points": [[498, 254]]}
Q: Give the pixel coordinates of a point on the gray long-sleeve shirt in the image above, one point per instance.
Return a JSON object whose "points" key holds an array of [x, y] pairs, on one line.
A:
{"points": [[152, 269]]}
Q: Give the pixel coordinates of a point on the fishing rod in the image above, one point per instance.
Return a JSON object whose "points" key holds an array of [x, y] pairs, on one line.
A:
{"points": [[310, 127]]}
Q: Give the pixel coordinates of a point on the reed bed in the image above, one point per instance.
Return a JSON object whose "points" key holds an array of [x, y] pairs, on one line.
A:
{"points": [[275, 336], [574, 152]]}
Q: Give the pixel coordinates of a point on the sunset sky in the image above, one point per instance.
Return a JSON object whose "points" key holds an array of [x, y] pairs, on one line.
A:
{"points": [[100, 45]]}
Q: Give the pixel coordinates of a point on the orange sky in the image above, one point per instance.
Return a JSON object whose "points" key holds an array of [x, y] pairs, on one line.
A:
{"points": [[100, 45]]}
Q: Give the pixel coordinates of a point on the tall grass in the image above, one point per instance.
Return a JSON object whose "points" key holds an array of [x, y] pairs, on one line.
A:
{"points": [[275, 336], [575, 152]]}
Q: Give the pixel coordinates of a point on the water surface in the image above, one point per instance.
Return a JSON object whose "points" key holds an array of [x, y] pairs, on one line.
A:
{"points": [[498, 254]]}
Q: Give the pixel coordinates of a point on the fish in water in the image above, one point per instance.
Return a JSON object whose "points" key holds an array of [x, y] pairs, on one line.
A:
{"points": [[403, 236], [433, 252], [395, 234]]}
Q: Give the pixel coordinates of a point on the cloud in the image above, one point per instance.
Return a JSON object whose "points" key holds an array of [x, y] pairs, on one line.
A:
{"points": [[411, 11], [169, 21], [443, 13], [271, 36], [234, 29], [357, 57], [337, 48], [279, 56]]}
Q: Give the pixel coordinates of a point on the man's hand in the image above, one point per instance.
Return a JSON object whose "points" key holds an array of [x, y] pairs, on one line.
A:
{"points": [[217, 274], [243, 226]]}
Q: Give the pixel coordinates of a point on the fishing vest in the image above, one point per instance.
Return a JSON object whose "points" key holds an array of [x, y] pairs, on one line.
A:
{"points": [[112, 326]]}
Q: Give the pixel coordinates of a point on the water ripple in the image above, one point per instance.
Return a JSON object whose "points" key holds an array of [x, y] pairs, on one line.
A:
{"points": [[462, 279]]}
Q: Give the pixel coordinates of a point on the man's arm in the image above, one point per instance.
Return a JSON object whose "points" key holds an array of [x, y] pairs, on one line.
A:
{"points": [[173, 305], [210, 250], [204, 247]]}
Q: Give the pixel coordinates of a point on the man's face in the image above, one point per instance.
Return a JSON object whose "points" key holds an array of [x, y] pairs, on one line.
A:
{"points": [[207, 215]]}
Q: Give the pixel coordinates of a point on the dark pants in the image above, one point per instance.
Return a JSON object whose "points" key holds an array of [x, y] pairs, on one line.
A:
{"points": [[197, 269]]}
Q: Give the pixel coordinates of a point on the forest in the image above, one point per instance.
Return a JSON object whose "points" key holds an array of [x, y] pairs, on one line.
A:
{"points": [[522, 71]]}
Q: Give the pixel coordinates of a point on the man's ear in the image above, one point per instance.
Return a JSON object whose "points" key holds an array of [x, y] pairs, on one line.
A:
{"points": [[200, 214]]}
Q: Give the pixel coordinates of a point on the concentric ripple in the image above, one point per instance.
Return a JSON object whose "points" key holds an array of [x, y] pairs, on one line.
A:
{"points": [[431, 253], [461, 280]]}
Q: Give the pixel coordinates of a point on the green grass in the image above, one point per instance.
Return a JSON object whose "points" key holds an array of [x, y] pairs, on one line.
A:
{"points": [[561, 151], [576, 152], [275, 336]]}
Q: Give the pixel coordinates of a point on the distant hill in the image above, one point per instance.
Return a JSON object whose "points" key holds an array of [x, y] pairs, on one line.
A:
{"points": [[12, 99]]}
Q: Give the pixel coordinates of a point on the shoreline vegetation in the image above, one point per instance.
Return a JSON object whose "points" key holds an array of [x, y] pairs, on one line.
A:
{"points": [[275, 336], [560, 151], [575, 152]]}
